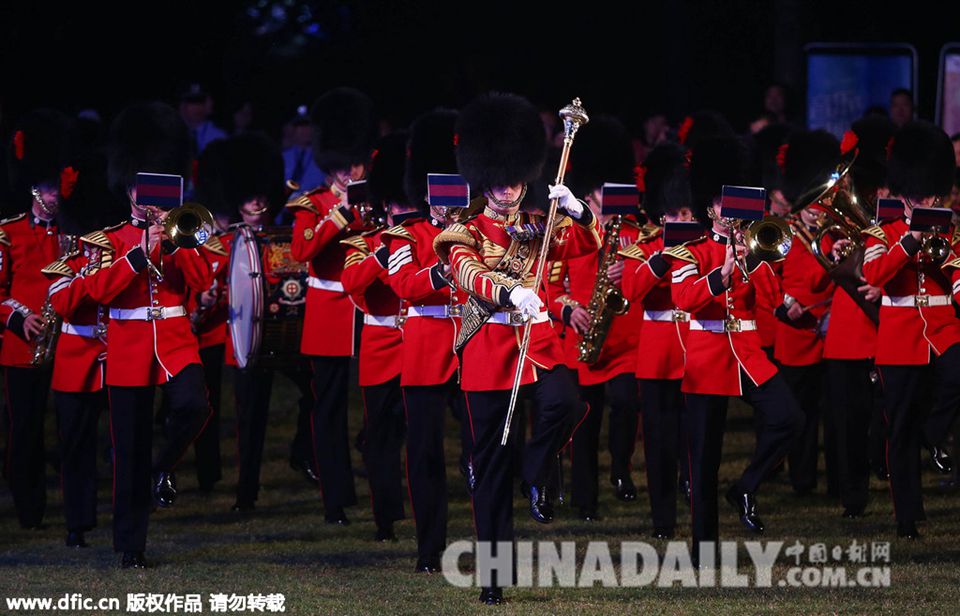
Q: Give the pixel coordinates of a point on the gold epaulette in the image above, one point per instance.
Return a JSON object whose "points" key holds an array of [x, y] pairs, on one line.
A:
{"points": [[681, 252], [456, 233], [303, 201], [357, 242], [4, 238], [13, 219], [399, 232], [59, 268], [214, 245], [956, 236], [951, 264], [633, 252], [876, 232], [98, 239]]}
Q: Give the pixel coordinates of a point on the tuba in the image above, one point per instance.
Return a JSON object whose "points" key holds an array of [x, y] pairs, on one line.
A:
{"points": [[606, 300]]}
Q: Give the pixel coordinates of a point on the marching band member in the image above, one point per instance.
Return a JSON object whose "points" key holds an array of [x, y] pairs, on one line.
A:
{"points": [[917, 350], [344, 129], [28, 242], [144, 279], [660, 359], [723, 353], [807, 160], [501, 147], [603, 154], [429, 377], [366, 279]]}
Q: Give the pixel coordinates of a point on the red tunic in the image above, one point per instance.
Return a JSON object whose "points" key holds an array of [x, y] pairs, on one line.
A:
{"points": [[561, 303], [318, 227], [619, 352], [474, 249], [78, 363], [916, 321], [210, 324], [144, 352], [26, 246], [715, 358], [800, 342], [851, 334], [367, 282], [661, 342], [428, 355]]}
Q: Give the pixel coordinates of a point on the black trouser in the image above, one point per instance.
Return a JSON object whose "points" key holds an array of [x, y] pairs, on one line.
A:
{"points": [[26, 390], [704, 417], [329, 427], [384, 420], [661, 405], [426, 468], [851, 394], [207, 445], [77, 416], [807, 385], [131, 424], [252, 389], [621, 391], [907, 393], [558, 411]]}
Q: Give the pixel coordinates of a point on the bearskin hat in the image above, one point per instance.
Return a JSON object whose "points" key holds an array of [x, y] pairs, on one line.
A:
{"points": [[344, 129], [430, 150], [701, 125], [766, 148], [717, 161], [603, 153], [385, 178], [40, 148], [147, 137], [666, 179], [232, 171], [811, 156], [500, 141], [922, 163], [869, 171], [87, 203]]}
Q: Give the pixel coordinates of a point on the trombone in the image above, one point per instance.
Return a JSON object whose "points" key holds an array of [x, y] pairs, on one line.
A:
{"points": [[187, 226], [767, 239]]}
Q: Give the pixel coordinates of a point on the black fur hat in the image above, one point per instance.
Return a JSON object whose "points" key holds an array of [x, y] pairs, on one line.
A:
{"points": [[869, 171], [344, 129], [86, 203], [40, 148], [922, 163], [701, 125], [148, 137], [385, 178], [810, 158], [603, 153], [232, 171], [766, 147], [717, 161], [500, 142], [666, 179], [430, 150]]}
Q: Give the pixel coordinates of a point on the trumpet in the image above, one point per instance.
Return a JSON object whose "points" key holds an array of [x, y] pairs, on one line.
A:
{"points": [[187, 226], [768, 239]]}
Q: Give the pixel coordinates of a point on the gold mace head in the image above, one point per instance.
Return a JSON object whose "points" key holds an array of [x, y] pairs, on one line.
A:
{"points": [[574, 116]]}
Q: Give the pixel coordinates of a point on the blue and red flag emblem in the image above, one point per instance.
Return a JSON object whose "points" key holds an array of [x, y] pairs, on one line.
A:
{"points": [[743, 202], [619, 199], [676, 233], [159, 190], [889, 209], [447, 190]]}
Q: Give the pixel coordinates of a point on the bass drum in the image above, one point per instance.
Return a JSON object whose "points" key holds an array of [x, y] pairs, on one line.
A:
{"points": [[267, 298]]}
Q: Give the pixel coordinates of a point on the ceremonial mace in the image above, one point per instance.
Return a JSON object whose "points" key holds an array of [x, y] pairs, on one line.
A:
{"points": [[574, 116]]}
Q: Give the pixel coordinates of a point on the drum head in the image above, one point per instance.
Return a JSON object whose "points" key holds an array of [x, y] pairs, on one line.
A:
{"points": [[246, 296]]}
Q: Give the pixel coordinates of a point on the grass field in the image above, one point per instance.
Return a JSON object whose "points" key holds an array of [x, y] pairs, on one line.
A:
{"points": [[199, 546]]}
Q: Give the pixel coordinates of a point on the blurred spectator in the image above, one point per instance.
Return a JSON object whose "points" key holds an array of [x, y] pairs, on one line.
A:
{"points": [[243, 118], [655, 130], [298, 162], [775, 103], [196, 107], [876, 110], [901, 106], [552, 128], [766, 119]]}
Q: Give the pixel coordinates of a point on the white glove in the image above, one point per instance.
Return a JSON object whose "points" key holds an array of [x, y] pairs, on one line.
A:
{"points": [[566, 201], [526, 301]]}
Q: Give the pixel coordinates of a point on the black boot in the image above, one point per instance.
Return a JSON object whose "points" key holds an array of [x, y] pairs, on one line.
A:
{"points": [[133, 560], [746, 505], [491, 596], [164, 489], [624, 489], [541, 509], [940, 459], [907, 530], [75, 539]]}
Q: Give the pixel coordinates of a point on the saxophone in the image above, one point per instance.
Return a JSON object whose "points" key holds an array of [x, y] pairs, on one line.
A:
{"points": [[606, 301], [45, 342]]}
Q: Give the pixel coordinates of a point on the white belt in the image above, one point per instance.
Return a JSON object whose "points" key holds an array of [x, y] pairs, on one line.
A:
{"points": [[915, 301], [722, 326], [515, 319], [147, 313], [437, 312], [327, 285], [84, 331], [387, 321], [667, 316]]}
